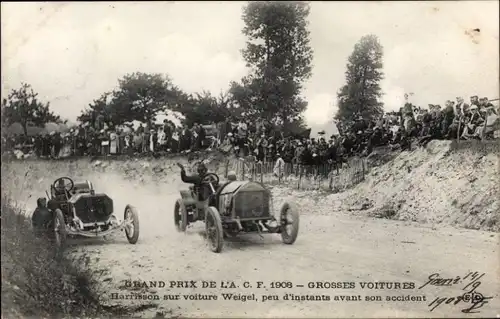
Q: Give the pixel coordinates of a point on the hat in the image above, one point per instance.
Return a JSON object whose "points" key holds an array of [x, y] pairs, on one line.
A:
{"points": [[359, 132], [229, 134]]}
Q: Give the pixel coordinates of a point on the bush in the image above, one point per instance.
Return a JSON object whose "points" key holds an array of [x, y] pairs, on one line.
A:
{"points": [[34, 283]]}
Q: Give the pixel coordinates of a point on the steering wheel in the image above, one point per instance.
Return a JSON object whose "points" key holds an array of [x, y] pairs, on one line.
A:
{"points": [[210, 178], [63, 183]]}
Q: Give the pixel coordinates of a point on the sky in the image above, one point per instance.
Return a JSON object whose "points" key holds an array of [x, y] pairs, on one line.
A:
{"points": [[71, 52]]}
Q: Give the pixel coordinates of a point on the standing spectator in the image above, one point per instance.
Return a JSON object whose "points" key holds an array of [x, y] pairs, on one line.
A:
{"points": [[138, 141], [491, 123], [152, 141], [113, 143], [104, 139], [38, 145], [57, 142], [162, 139], [185, 139]]}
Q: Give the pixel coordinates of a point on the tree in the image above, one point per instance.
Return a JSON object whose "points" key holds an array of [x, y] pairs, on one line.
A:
{"points": [[141, 95], [361, 93], [100, 107], [279, 57], [22, 106], [204, 108]]}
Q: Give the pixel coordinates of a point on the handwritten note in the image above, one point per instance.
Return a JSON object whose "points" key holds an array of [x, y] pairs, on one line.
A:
{"points": [[472, 299]]}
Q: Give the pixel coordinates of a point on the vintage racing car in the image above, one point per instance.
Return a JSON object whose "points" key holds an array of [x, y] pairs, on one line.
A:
{"points": [[235, 207], [79, 211]]}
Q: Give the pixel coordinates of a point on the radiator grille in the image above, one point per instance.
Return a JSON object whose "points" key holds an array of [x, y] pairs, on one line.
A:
{"points": [[252, 204], [94, 208]]}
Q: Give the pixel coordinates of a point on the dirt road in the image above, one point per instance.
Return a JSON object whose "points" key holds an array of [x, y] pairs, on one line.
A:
{"points": [[331, 248], [336, 248]]}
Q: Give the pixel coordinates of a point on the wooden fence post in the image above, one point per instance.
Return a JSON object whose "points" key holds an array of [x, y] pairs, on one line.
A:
{"points": [[243, 171], [484, 129], [261, 173], [253, 171], [279, 174], [300, 177], [363, 168]]}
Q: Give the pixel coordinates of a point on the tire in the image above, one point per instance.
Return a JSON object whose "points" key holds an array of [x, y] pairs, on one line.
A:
{"points": [[213, 228], [132, 216], [60, 233], [180, 216], [288, 236]]}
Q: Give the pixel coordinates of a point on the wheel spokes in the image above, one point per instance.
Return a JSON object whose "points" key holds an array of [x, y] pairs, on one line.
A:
{"points": [[287, 222], [129, 223]]}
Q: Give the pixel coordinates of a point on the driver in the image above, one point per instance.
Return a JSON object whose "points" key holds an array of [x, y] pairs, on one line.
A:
{"points": [[196, 179], [61, 191]]}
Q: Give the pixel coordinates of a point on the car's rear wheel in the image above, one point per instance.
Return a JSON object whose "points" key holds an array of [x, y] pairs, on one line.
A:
{"points": [[180, 216], [131, 218], [60, 233], [289, 223], [213, 228]]}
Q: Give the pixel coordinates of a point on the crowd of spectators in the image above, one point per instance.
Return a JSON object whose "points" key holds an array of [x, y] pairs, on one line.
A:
{"points": [[260, 142], [460, 120], [101, 140]]}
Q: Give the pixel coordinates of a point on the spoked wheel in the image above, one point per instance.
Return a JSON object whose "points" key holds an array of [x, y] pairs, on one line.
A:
{"points": [[180, 216], [289, 223], [213, 227], [60, 233], [131, 219]]}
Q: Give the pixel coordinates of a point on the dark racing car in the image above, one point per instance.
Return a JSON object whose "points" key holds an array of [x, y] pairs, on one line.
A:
{"points": [[77, 210], [232, 208]]}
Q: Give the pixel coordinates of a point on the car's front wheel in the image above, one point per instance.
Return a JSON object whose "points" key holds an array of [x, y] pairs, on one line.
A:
{"points": [[180, 216], [213, 228], [131, 219], [289, 223], [60, 233]]}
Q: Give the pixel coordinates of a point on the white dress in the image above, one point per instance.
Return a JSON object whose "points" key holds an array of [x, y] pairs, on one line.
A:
{"points": [[113, 145]]}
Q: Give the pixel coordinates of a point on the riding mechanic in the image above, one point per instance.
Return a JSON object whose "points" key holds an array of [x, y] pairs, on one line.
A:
{"points": [[42, 219]]}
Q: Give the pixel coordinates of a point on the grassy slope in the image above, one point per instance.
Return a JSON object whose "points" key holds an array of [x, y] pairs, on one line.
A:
{"points": [[33, 282]]}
